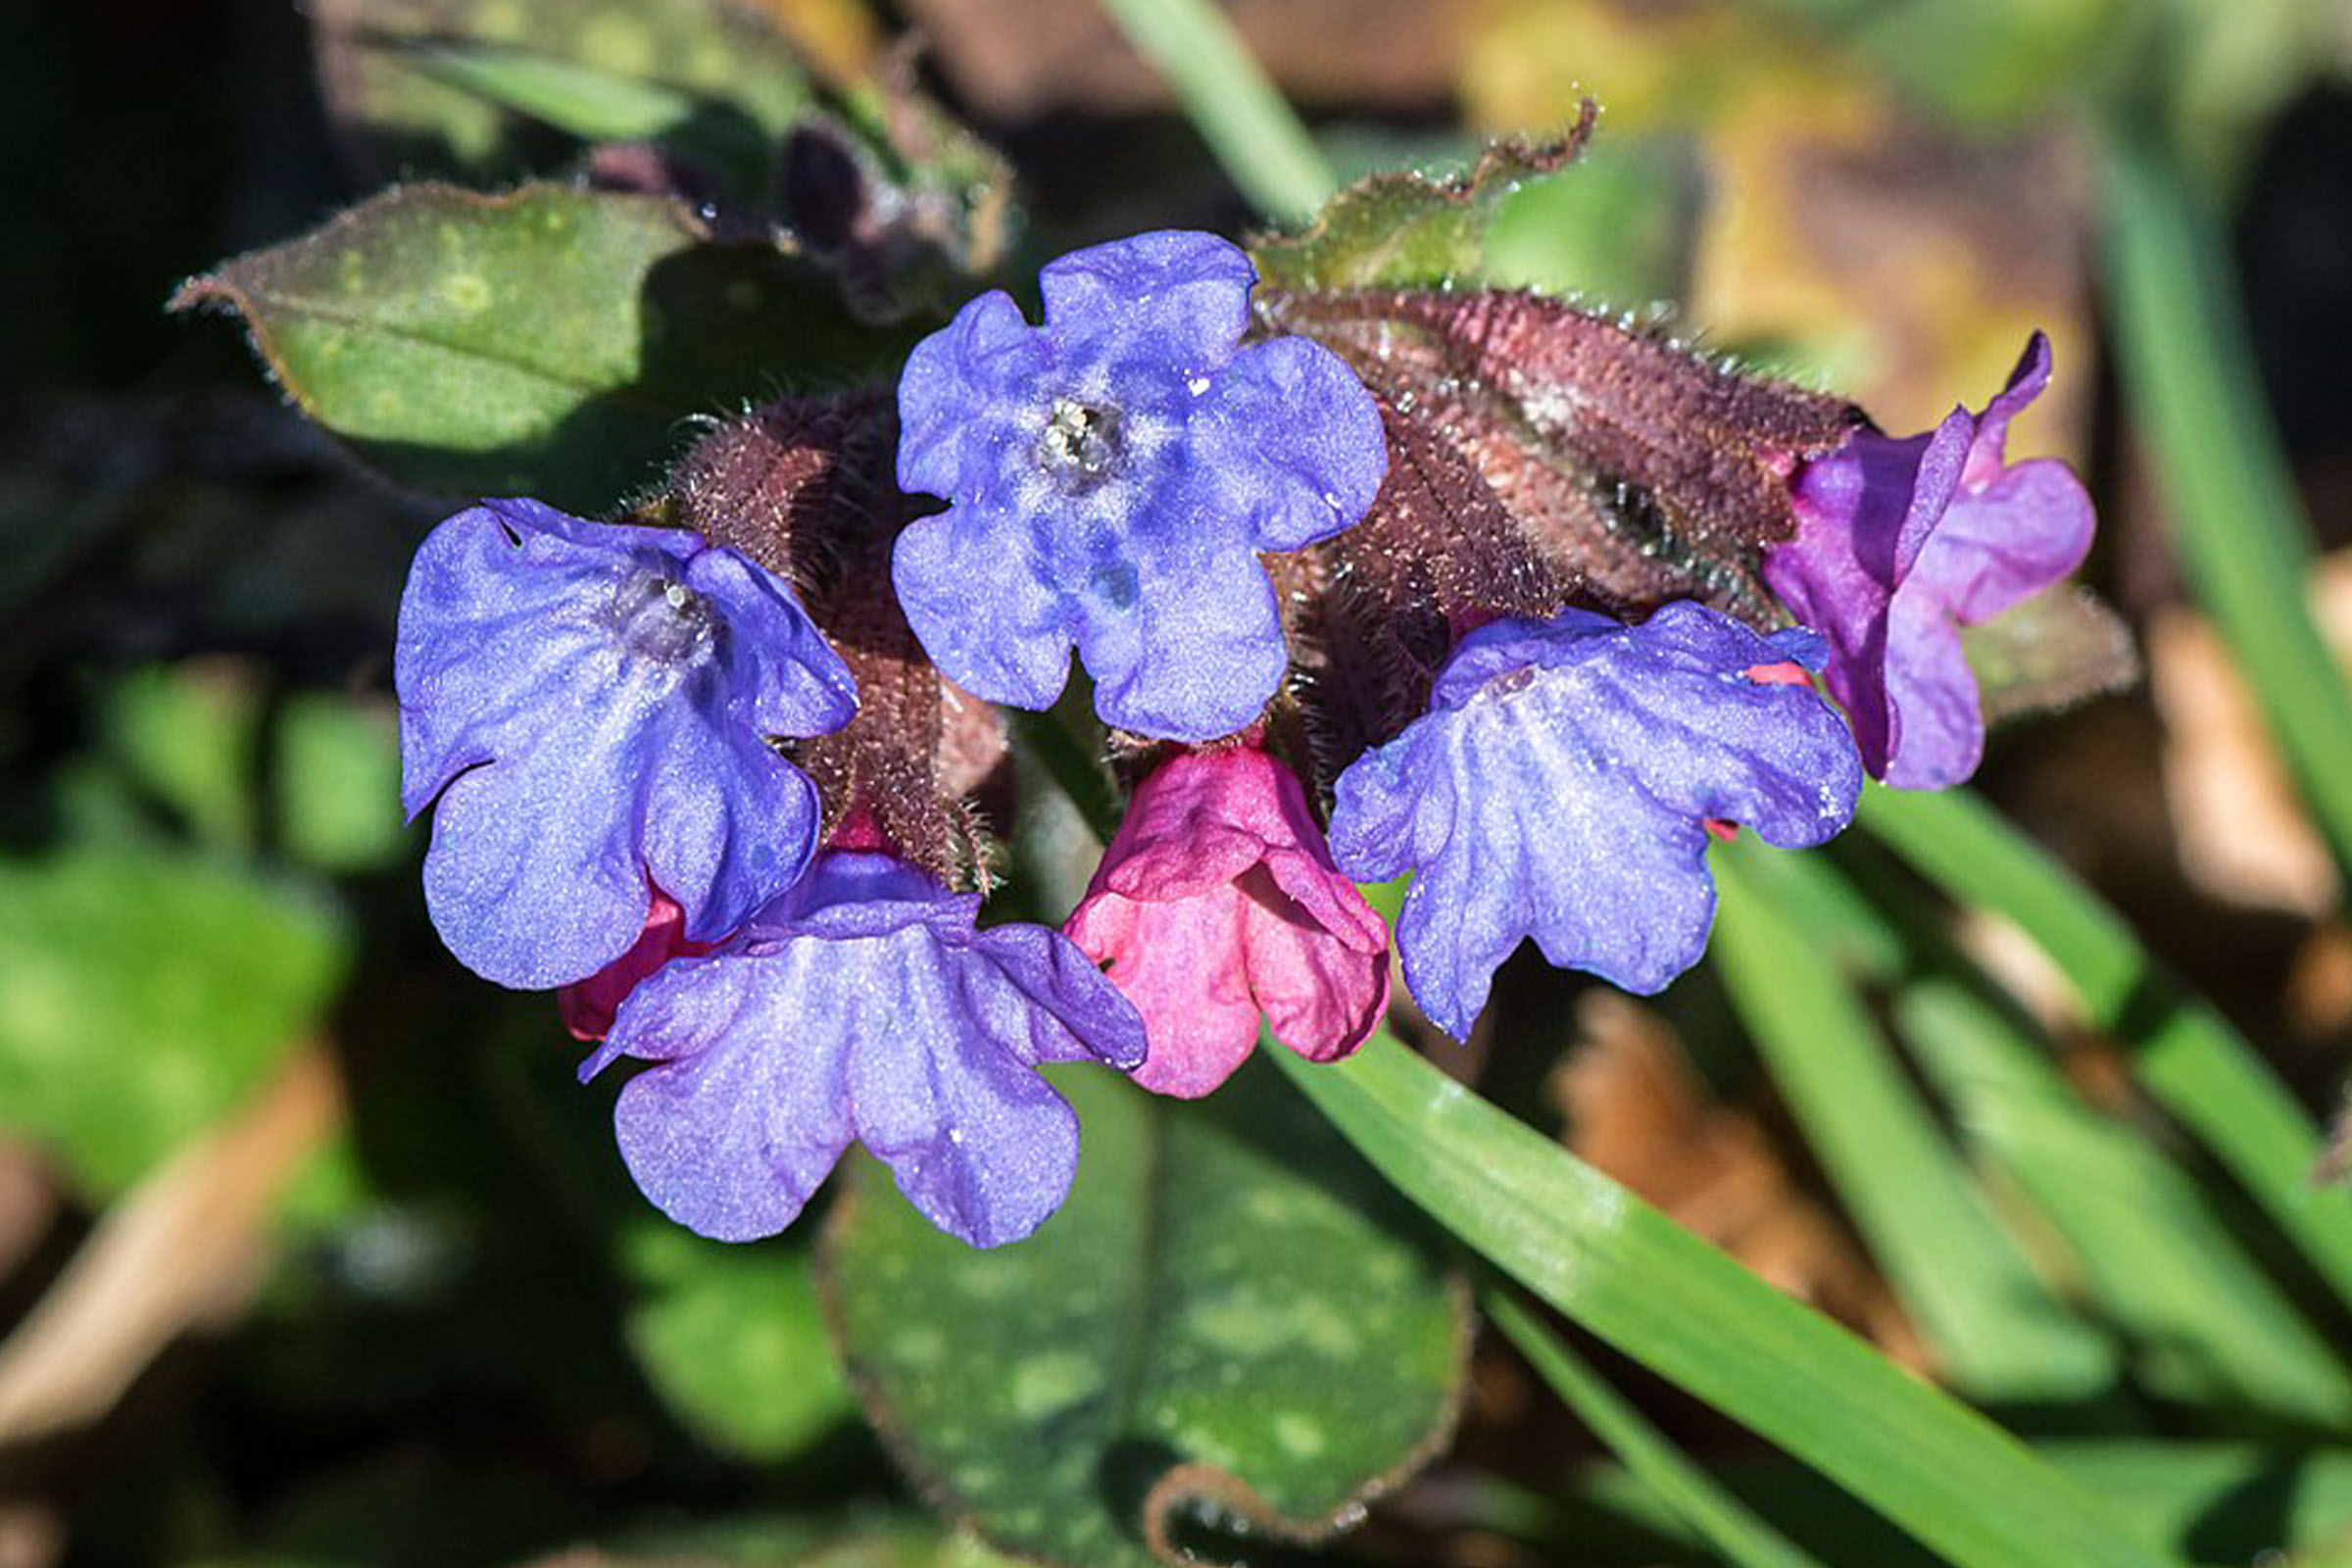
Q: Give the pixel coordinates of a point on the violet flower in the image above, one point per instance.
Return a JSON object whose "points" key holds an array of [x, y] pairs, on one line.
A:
{"points": [[1560, 785], [1218, 901], [864, 1004], [1900, 542], [591, 707], [1111, 476]]}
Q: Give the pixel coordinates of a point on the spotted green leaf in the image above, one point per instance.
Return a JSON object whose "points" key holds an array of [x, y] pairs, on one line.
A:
{"points": [[793, 1540], [1231, 1313], [549, 341], [1409, 231]]}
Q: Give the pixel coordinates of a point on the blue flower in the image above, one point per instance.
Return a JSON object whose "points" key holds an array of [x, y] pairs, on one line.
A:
{"points": [[1560, 785], [1110, 478], [591, 705], [864, 1004]]}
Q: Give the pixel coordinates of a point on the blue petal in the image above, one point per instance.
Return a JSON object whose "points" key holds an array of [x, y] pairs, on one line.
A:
{"points": [[1109, 490], [782, 676], [731, 1135], [1195, 654], [1563, 796], [489, 629], [977, 1141], [1077, 1014], [1175, 299], [723, 822], [532, 879], [1296, 439], [969, 590], [962, 394]]}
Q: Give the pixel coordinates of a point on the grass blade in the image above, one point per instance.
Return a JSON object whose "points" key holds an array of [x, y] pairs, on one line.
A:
{"points": [[2159, 1260], [2226, 1504], [2186, 1055], [1724, 1522], [1997, 1330], [2189, 377], [1640, 1282], [1238, 113]]}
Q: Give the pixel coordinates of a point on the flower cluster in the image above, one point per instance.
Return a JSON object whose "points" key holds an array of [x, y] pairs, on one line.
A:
{"points": [[711, 780]]}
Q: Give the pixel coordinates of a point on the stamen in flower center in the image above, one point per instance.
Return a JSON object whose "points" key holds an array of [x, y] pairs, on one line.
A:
{"points": [[661, 618], [1082, 444]]}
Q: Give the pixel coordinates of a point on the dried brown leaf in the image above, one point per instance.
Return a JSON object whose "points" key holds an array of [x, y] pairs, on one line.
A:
{"points": [[1638, 1111]]}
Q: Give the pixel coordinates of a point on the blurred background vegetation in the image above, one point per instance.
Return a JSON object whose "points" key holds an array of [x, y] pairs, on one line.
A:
{"points": [[312, 1252]]}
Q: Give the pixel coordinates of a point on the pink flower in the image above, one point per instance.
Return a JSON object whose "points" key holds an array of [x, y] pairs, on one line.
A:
{"points": [[1218, 901]]}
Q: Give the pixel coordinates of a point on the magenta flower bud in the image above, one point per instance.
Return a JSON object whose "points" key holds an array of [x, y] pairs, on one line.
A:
{"points": [[1217, 903]]}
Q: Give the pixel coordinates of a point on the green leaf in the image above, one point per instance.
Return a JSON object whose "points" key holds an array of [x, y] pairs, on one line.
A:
{"points": [[591, 103], [454, 86], [144, 998], [337, 779], [2202, 1317], [795, 1540], [185, 735], [732, 1338], [1995, 1326], [2196, 397], [2227, 1504], [1230, 1310], [2183, 1053], [869, 173], [1615, 227], [1629, 1276], [2055, 650], [1409, 231], [1995, 64], [549, 341], [2160, 1261]]}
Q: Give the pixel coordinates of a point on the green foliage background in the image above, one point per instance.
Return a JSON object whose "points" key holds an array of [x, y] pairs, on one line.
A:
{"points": [[420, 1317]]}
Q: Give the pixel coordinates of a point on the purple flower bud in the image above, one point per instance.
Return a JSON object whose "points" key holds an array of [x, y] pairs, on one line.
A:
{"points": [[1903, 542], [1111, 476], [591, 705], [1559, 787], [864, 1004]]}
